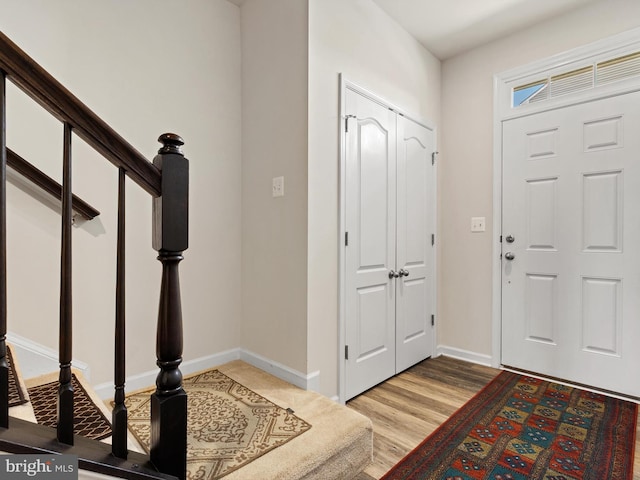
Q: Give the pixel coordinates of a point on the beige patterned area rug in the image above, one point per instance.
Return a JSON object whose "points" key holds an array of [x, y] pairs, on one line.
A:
{"points": [[229, 425]]}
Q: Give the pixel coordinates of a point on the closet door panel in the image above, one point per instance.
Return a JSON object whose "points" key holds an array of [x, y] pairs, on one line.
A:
{"points": [[414, 250], [370, 255]]}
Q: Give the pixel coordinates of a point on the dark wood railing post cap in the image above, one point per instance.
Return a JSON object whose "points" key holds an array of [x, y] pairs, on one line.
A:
{"points": [[171, 143], [171, 208]]}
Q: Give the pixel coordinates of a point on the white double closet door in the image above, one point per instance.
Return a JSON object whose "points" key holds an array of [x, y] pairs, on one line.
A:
{"points": [[571, 243], [388, 256]]}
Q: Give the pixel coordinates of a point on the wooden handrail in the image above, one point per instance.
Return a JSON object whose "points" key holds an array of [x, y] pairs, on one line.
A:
{"points": [[36, 82], [47, 184]]}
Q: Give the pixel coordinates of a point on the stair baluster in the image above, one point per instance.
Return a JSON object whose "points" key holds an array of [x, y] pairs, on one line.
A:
{"points": [[170, 239], [65, 389], [4, 367], [119, 414]]}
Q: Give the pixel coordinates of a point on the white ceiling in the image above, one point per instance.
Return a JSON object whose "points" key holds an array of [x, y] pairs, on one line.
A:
{"points": [[449, 27]]}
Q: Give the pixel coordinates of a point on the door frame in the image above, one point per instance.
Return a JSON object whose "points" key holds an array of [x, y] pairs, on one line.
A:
{"points": [[503, 84], [345, 85]]}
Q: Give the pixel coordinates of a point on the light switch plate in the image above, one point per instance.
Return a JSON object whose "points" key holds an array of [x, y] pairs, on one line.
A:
{"points": [[277, 189], [478, 224]]}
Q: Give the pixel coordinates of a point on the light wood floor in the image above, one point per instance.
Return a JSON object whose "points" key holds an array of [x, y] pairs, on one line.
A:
{"points": [[407, 408]]}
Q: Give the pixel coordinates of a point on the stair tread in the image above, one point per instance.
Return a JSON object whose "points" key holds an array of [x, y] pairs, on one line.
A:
{"points": [[90, 420]]}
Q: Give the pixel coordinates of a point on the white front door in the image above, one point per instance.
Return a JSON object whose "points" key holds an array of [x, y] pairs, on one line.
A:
{"points": [[571, 243], [415, 259], [389, 220]]}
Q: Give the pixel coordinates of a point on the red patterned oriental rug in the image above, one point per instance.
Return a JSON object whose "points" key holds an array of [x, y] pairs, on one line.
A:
{"points": [[519, 428]]}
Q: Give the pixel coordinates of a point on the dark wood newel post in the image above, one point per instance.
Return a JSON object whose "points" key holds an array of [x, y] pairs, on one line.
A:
{"points": [[170, 239]]}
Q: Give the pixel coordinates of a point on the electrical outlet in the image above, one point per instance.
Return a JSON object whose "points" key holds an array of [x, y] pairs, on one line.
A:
{"points": [[277, 187], [478, 224]]}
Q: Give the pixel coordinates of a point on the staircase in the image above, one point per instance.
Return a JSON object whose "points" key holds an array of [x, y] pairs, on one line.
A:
{"points": [[241, 431], [166, 180]]}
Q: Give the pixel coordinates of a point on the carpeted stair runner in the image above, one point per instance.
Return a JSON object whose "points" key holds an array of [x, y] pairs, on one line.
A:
{"points": [[16, 390]]}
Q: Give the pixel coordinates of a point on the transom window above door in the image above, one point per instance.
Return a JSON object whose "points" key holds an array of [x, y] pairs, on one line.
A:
{"points": [[600, 72]]}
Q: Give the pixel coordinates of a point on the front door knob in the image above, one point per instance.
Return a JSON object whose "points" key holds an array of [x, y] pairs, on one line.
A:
{"points": [[510, 239], [509, 256]]}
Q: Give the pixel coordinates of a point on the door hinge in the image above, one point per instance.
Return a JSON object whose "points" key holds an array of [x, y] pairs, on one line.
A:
{"points": [[433, 320], [500, 238], [433, 157], [346, 352], [346, 122], [346, 239], [433, 239]]}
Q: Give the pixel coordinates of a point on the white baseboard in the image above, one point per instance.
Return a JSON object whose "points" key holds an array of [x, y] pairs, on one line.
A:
{"points": [[148, 379], [460, 354], [309, 381], [36, 359]]}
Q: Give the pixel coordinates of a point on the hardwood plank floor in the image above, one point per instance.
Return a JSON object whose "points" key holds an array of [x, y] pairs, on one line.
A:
{"points": [[409, 407]]}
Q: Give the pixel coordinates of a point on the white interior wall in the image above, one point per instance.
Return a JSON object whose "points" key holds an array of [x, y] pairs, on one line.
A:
{"points": [[466, 166], [146, 67], [274, 143], [287, 248], [356, 38]]}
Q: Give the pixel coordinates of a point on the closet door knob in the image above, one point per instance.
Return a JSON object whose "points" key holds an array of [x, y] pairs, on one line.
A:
{"points": [[393, 274], [403, 272]]}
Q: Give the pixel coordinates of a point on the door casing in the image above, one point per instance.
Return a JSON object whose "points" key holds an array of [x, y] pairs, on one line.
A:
{"points": [[344, 85]]}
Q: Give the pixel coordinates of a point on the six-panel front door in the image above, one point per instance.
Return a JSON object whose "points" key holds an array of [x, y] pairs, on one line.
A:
{"points": [[571, 243], [389, 209]]}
